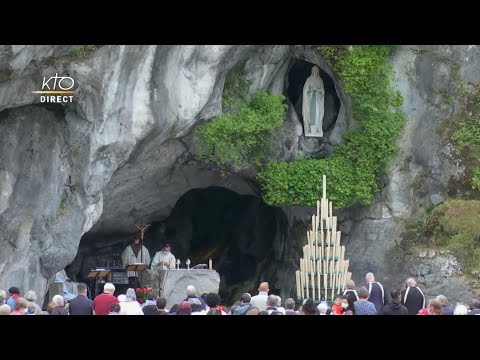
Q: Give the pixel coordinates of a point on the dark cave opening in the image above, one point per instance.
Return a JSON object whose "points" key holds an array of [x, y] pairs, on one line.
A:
{"points": [[299, 71], [243, 236]]}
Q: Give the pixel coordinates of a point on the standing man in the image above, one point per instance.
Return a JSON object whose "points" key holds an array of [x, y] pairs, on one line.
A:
{"points": [[395, 307], [351, 295], [135, 253], [101, 304], [260, 301], [164, 259], [81, 305], [413, 298], [377, 294]]}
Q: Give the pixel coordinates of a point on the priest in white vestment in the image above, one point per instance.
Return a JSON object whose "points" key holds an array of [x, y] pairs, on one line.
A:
{"points": [[164, 260], [135, 253]]}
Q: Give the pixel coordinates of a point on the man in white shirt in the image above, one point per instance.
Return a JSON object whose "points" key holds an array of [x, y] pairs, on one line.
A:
{"points": [[260, 301], [164, 259]]}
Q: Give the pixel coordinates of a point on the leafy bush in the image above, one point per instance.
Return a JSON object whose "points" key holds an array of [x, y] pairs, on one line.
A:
{"points": [[466, 137], [455, 226], [84, 50], [244, 133], [355, 166]]}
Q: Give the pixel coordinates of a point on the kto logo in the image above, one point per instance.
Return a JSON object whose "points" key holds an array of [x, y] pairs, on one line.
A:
{"points": [[59, 85]]}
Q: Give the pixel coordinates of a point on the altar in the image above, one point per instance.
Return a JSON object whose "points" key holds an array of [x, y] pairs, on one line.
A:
{"points": [[172, 284]]}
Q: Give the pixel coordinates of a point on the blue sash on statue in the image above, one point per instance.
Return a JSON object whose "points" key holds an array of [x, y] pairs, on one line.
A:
{"points": [[313, 107]]}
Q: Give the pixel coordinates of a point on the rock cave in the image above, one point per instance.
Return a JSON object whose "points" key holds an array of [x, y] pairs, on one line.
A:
{"points": [[243, 236], [75, 179]]}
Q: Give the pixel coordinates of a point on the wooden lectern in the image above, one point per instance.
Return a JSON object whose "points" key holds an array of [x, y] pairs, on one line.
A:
{"points": [[96, 274], [137, 267]]}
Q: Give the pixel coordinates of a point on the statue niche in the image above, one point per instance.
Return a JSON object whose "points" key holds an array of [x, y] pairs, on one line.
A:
{"points": [[313, 104]]}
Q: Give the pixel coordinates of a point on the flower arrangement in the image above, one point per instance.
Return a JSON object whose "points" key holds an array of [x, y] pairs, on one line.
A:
{"points": [[143, 293]]}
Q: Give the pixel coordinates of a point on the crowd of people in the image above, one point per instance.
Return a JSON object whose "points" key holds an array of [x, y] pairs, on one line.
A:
{"points": [[371, 299]]}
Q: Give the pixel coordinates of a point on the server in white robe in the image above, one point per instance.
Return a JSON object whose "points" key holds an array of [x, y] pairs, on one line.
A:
{"points": [[164, 259]]}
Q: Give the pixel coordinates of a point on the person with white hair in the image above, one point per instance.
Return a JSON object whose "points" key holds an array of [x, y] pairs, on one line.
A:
{"points": [[192, 293], [5, 309], [290, 307], [351, 295], [3, 297], [272, 305], [280, 308], [31, 296], [58, 306], [129, 304], [322, 308], [460, 309], [101, 303], [412, 297], [377, 293]]}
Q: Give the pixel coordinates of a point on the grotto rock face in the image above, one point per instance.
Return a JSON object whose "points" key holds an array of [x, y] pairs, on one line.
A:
{"points": [[119, 153], [425, 168], [131, 103]]}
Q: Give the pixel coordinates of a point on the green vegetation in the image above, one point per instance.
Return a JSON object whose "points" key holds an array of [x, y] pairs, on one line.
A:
{"points": [[355, 166], [62, 210], [452, 226], [465, 134], [84, 50], [243, 133]]}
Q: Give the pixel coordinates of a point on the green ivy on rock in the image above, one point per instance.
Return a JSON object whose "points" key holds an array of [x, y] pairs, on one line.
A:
{"points": [[243, 134], [354, 168], [466, 137]]}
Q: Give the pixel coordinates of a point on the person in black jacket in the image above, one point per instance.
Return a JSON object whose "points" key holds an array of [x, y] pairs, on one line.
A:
{"points": [[413, 298], [81, 305], [378, 295], [395, 307]]}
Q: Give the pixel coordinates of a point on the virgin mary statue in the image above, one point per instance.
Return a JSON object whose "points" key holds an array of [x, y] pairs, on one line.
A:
{"points": [[313, 104]]}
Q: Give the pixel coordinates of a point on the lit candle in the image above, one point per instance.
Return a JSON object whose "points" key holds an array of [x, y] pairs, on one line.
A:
{"points": [[328, 247], [210, 263], [297, 278], [324, 184], [313, 282], [307, 284], [334, 245], [301, 277], [318, 281], [321, 244], [330, 212], [318, 210], [325, 284], [333, 286], [324, 208]]}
